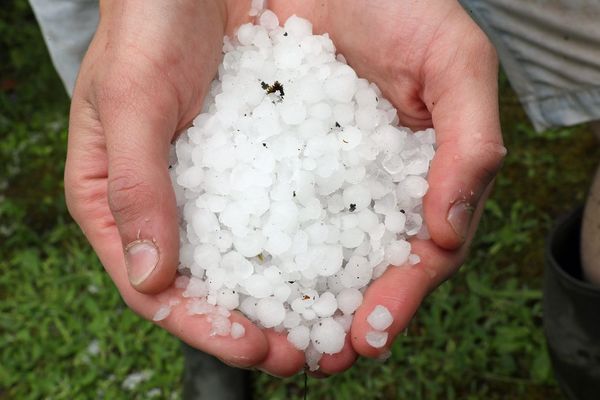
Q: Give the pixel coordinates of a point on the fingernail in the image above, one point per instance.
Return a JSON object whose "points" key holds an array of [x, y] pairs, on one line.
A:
{"points": [[141, 258], [459, 217]]}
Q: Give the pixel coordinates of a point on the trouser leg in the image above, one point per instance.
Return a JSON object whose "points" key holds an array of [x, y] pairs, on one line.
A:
{"points": [[571, 316], [207, 378], [590, 233], [595, 128]]}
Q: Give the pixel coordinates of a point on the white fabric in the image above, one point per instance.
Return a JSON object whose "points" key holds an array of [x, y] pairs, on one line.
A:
{"points": [[550, 51], [67, 27]]}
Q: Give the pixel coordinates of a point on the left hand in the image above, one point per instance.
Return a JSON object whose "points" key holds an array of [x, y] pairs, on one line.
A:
{"points": [[438, 69]]}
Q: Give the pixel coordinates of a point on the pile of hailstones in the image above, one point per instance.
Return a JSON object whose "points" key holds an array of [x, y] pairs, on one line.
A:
{"points": [[297, 188]]}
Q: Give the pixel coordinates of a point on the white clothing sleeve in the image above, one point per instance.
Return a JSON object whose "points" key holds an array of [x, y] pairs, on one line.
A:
{"points": [[68, 27]]}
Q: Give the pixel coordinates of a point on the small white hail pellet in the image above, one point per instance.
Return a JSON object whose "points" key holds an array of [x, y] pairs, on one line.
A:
{"points": [[296, 188], [377, 339], [380, 318]]}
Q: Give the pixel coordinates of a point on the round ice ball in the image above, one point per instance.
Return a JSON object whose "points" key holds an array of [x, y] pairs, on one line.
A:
{"points": [[325, 305], [299, 336], [237, 330], [328, 336], [349, 300], [356, 197], [270, 312], [397, 252], [376, 339], [380, 318]]}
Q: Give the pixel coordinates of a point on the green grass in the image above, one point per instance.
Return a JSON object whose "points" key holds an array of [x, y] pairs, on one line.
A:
{"points": [[477, 337]]}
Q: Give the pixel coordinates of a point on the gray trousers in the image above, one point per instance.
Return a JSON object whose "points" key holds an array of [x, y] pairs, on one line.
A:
{"points": [[207, 378]]}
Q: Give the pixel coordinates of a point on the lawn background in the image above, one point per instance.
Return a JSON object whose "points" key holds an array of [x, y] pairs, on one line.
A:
{"points": [[66, 334]]}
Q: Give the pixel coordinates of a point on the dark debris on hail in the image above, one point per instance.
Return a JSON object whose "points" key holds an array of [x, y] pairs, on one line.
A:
{"points": [[275, 87], [352, 207]]}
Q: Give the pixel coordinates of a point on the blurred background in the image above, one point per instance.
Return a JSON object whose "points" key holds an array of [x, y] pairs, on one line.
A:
{"points": [[65, 333]]}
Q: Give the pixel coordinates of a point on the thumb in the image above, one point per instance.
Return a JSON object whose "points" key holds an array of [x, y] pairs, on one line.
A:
{"points": [[470, 150], [140, 193]]}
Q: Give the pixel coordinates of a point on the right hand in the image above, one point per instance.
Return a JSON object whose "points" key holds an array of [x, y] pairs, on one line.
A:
{"points": [[144, 79]]}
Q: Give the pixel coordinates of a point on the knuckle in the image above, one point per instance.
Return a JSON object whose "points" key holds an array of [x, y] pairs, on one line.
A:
{"points": [[131, 300], [128, 194], [479, 40], [81, 195], [481, 55], [492, 155], [483, 43], [486, 158], [73, 191], [490, 50], [481, 152], [120, 82], [114, 92]]}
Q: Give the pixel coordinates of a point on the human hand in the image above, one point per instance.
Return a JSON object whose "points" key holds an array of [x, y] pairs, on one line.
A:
{"points": [[153, 72], [143, 79], [438, 69]]}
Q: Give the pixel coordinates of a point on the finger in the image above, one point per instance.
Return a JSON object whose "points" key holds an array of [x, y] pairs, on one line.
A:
{"points": [[138, 127], [195, 330], [463, 99], [85, 185], [331, 364], [283, 360], [402, 289], [316, 374]]}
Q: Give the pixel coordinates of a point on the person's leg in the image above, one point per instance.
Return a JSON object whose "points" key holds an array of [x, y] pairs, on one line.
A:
{"points": [[68, 27], [595, 128], [572, 297], [590, 233], [571, 318], [207, 378]]}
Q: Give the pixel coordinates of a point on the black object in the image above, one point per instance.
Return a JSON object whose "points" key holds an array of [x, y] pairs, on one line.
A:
{"points": [[571, 313], [207, 378]]}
